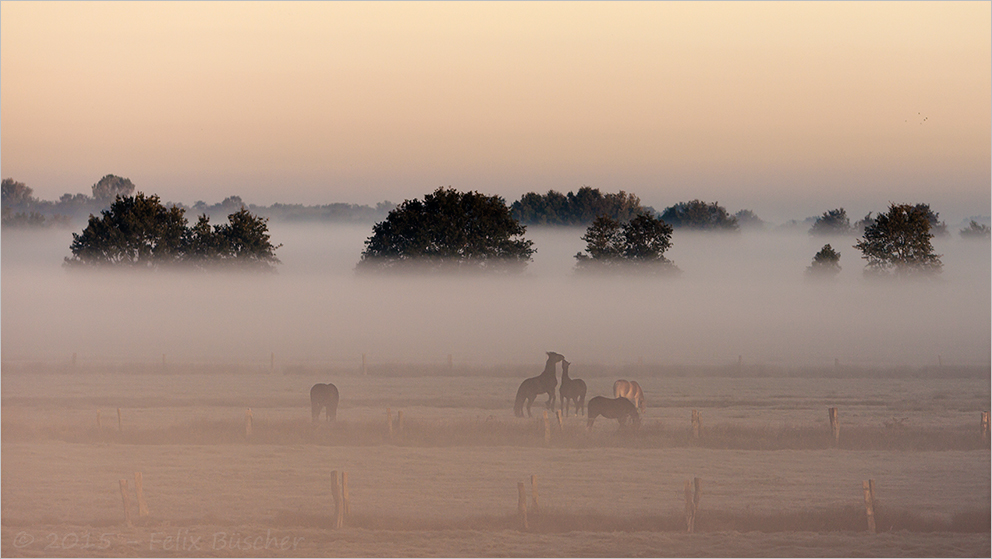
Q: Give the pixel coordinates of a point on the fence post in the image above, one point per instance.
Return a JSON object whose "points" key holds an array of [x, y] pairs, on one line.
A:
{"points": [[139, 489], [547, 428], [561, 426], [535, 506], [522, 505], [389, 422], [696, 424], [344, 494], [248, 424], [127, 503], [338, 502], [985, 425], [869, 488], [120, 423], [834, 425]]}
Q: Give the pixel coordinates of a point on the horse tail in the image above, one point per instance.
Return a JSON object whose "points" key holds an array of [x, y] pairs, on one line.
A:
{"points": [[620, 388]]}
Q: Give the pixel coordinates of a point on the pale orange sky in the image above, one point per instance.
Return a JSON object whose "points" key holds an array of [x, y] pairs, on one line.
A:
{"points": [[785, 108]]}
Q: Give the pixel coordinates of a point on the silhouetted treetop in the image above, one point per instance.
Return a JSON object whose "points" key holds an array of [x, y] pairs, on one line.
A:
{"points": [[826, 263], [699, 215], [448, 230], [898, 243], [636, 245], [578, 208], [111, 186], [832, 222]]}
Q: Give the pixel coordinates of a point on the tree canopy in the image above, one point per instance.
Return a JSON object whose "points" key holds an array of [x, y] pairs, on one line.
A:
{"points": [[579, 208], [832, 222], [826, 263], [976, 230], [448, 230], [638, 244], [898, 243], [112, 186], [699, 215], [139, 232]]}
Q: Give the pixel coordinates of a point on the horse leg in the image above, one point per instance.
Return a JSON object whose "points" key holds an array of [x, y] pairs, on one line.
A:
{"points": [[314, 411], [530, 400]]}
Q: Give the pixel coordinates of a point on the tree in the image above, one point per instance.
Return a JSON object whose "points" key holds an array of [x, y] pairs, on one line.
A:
{"points": [[826, 263], [699, 215], [937, 227], [111, 186], [575, 208], [139, 232], [15, 193], [747, 219], [448, 230], [976, 230], [898, 243], [638, 244], [832, 222]]}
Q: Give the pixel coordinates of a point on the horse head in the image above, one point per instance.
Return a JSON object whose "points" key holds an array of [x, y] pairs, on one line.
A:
{"points": [[554, 357]]}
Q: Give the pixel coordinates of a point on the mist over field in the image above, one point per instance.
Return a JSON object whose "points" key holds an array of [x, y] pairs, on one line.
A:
{"points": [[738, 296]]}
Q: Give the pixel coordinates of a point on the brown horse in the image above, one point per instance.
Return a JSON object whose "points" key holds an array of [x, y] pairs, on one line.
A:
{"points": [[572, 390], [324, 396], [620, 409], [631, 391], [543, 383]]}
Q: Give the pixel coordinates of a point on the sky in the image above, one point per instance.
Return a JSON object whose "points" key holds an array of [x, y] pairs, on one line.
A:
{"points": [[786, 108]]}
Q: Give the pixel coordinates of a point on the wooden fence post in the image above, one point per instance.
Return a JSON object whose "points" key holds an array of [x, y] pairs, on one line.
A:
{"points": [[690, 510], [344, 494], [127, 503], [248, 424], [139, 489], [535, 506], [120, 423], [869, 488], [522, 505], [561, 426], [338, 501], [985, 425], [389, 422], [272, 361], [834, 425], [547, 428], [696, 424]]}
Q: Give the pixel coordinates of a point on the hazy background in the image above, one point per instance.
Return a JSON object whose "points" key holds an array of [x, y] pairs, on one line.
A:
{"points": [[739, 295], [786, 108]]}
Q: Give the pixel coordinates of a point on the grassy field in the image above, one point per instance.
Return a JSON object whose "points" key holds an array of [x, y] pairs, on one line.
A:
{"points": [[446, 484]]}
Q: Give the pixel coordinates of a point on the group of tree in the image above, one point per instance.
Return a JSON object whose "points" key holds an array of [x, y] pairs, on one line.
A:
{"points": [[976, 230], [140, 232], [448, 230], [578, 208], [700, 216], [638, 244]]}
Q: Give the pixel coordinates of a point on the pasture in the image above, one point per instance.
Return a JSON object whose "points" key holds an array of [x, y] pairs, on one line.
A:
{"points": [[446, 484]]}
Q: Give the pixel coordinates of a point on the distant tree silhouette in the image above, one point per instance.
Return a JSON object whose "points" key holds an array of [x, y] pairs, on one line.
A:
{"points": [[976, 230], [638, 244], [832, 222], [574, 208], [111, 186], [699, 215], [898, 243], [15, 193], [448, 230], [746, 219], [826, 263]]}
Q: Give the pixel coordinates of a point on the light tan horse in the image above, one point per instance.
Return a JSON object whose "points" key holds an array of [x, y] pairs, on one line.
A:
{"points": [[631, 391]]}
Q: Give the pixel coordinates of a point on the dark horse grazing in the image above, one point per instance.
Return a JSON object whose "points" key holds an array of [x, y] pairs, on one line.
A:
{"points": [[620, 409], [543, 383], [324, 396], [572, 390]]}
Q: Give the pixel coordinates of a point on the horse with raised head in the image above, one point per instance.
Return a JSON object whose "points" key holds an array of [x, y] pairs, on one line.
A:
{"points": [[543, 383], [631, 391], [571, 391], [620, 409], [324, 396]]}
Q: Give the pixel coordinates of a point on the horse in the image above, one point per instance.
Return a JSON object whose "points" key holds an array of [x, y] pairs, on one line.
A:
{"points": [[631, 391], [572, 390], [620, 409], [324, 396], [543, 383]]}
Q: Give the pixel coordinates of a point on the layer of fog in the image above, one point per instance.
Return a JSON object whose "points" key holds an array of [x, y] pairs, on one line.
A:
{"points": [[738, 296]]}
